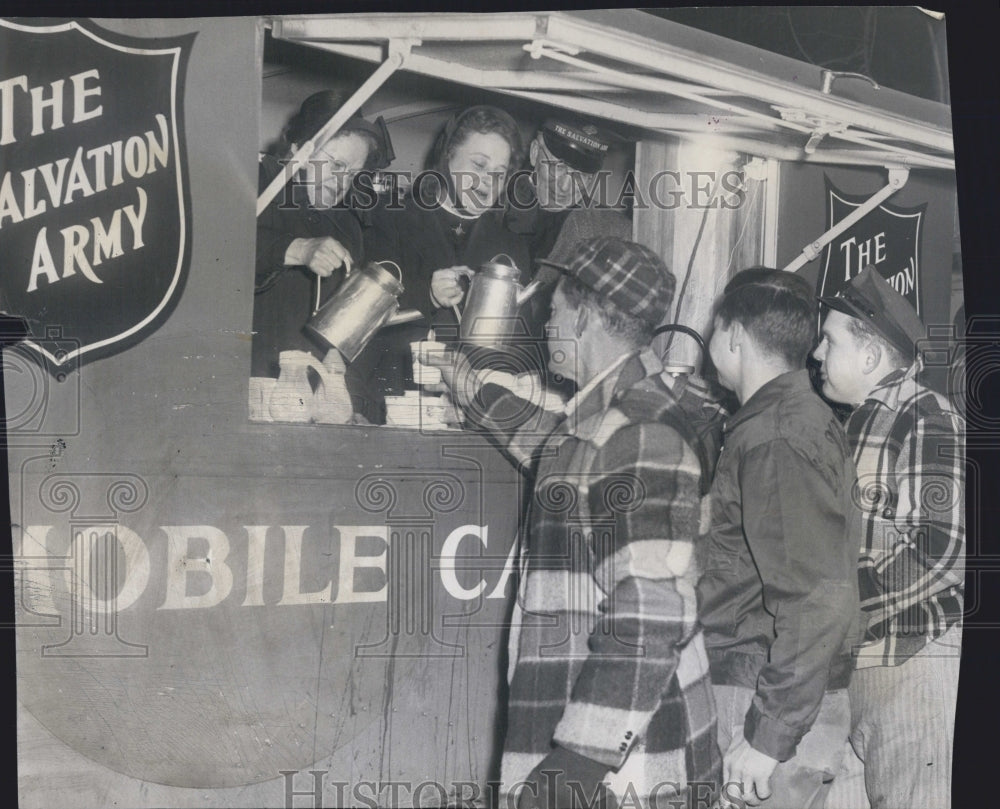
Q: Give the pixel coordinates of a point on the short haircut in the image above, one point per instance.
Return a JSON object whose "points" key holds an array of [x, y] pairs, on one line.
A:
{"points": [[863, 332], [760, 274], [635, 330], [777, 309]]}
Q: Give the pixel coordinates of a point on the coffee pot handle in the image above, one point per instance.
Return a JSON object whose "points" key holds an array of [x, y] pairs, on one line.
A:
{"points": [[505, 255], [399, 271]]}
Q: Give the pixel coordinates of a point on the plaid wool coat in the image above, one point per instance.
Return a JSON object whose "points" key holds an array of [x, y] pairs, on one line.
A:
{"points": [[909, 447], [606, 658]]}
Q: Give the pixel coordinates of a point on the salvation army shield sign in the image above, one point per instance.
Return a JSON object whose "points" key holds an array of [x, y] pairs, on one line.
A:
{"points": [[94, 208], [887, 238]]}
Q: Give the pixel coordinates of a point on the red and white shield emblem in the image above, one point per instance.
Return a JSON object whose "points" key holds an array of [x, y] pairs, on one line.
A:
{"points": [[887, 238], [94, 195]]}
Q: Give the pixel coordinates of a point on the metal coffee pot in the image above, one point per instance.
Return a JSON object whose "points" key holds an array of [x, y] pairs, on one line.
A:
{"points": [[495, 294], [367, 301]]}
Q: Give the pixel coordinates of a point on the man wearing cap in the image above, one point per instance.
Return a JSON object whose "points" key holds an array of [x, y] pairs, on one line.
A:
{"points": [[778, 597], [608, 675], [908, 444], [548, 205], [551, 204]]}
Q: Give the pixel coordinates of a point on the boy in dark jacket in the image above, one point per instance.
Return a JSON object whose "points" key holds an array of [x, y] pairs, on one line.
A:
{"points": [[778, 593]]}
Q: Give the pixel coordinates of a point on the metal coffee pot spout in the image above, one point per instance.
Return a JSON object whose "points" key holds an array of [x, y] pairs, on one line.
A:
{"points": [[523, 293], [403, 316]]}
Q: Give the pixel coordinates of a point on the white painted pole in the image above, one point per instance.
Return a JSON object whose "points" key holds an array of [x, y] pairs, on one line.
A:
{"points": [[897, 179]]}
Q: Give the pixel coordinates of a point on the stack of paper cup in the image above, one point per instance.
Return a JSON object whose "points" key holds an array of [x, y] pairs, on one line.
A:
{"points": [[260, 397], [403, 411], [426, 374], [439, 413], [419, 410]]}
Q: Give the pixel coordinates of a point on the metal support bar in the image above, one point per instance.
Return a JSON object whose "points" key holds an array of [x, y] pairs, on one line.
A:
{"points": [[818, 135], [473, 76], [678, 122], [427, 26], [897, 179], [841, 131], [636, 48], [797, 123], [398, 50], [905, 155], [724, 138], [678, 89], [644, 45], [822, 120]]}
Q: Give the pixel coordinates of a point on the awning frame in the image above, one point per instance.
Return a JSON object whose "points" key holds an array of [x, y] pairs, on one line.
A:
{"points": [[633, 60]]}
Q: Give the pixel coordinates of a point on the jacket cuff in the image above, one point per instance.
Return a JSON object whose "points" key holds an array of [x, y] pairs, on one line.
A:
{"points": [[271, 258], [770, 736], [598, 732], [487, 396]]}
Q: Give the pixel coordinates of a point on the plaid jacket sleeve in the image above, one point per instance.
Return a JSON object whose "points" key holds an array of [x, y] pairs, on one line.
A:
{"points": [[644, 508], [922, 542], [519, 427]]}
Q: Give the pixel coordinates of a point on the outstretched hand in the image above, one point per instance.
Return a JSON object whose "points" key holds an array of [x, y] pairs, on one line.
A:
{"points": [[457, 374]]}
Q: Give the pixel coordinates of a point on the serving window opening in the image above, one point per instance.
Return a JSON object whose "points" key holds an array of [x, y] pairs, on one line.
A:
{"points": [[368, 246]]}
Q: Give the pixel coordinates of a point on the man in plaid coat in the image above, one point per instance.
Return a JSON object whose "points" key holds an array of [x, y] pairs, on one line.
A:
{"points": [[908, 444], [608, 674]]}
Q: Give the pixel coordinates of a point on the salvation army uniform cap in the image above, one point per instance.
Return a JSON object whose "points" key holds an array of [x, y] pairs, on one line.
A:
{"points": [[626, 274], [870, 298], [580, 146]]}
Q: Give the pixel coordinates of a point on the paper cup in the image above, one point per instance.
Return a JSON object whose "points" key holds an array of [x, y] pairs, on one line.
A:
{"points": [[424, 374], [260, 397], [403, 411]]}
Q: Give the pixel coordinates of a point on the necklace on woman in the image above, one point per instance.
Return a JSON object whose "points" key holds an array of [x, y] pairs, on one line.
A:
{"points": [[458, 229]]}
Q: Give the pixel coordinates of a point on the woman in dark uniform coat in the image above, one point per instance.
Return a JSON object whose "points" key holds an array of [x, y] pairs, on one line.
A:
{"points": [[453, 219], [308, 235]]}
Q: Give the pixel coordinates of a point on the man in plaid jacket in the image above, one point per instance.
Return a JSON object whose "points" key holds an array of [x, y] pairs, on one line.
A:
{"points": [[608, 674], [908, 444]]}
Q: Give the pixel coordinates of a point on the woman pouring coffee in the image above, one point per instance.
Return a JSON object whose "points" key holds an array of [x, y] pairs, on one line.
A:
{"points": [[453, 216], [309, 237], [452, 220]]}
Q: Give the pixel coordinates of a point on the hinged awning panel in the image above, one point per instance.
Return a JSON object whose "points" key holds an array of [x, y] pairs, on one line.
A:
{"points": [[659, 76]]}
